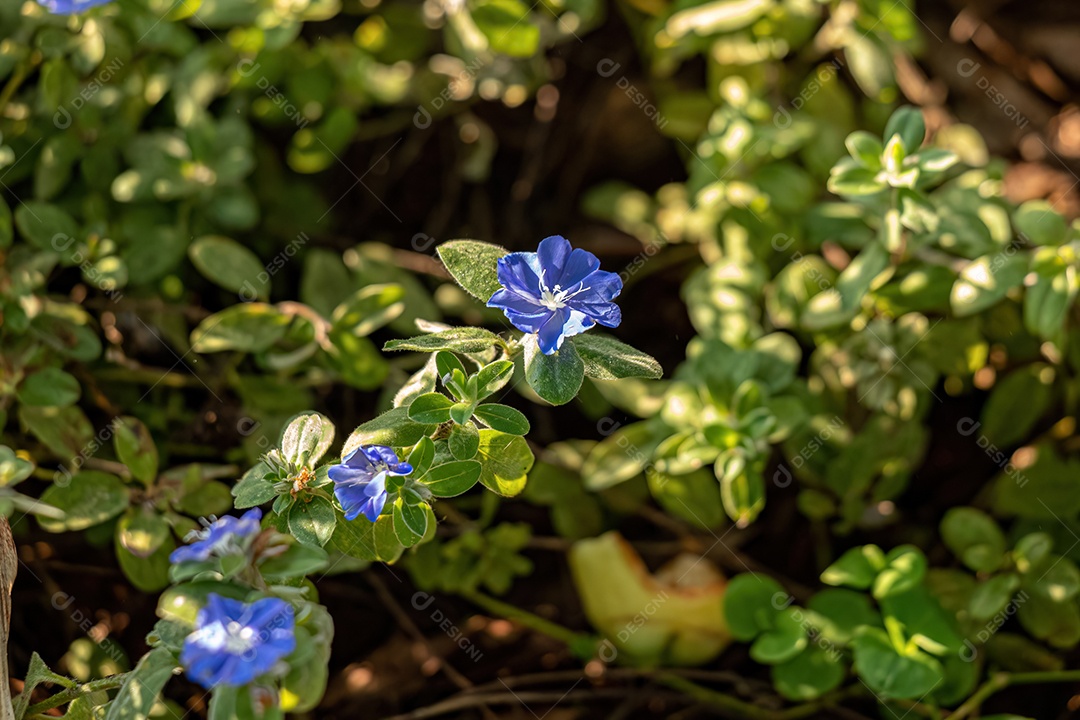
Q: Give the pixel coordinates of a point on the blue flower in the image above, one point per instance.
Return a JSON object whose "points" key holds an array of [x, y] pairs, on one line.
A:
{"points": [[236, 642], [223, 536], [556, 292], [70, 7], [360, 479]]}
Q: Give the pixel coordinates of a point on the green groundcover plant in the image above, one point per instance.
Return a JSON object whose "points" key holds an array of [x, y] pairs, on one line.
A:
{"points": [[164, 179]]}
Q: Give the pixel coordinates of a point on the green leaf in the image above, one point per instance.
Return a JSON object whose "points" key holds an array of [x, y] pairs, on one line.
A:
{"points": [[556, 378], [209, 498], [305, 685], [781, 642], [430, 408], [605, 358], [922, 617], [325, 281], [751, 601], [253, 488], [38, 672], [1042, 225], [837, 613], [502, 418], [149, 574], [312, 523], [474, 265], [905, 569], [890, 674], [1058, 582], [421, 457], [742, 487], [1031, 550], [141, 689], [856, 568], [1058, 623], [393, 428], [464, 441], [90, 497], [986, 280], [506, 461], [992, 596], [136, 449], [306, 439], [13, 469], [227, 263], [808, 675], [452, 478], [223, 702], [410, 522], [369, 308], [357, 360], [493, 377], [141, 531], [1017, 402], [463, 340], [974, 537], [622, 455], [363, 539], [447, 362], [716, 18], [298, 561], [908, 123], [694, 497], [66, 432], [865, 149], [1048, 300], [42, 225], [181, 603], [509, 30], [49, 387], [460, 412], [247, 327], [854, 181], [7, 231], [859, 276]]}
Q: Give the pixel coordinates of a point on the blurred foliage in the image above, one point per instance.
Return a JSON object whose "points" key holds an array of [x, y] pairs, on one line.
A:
{"points": [[164, 166]]}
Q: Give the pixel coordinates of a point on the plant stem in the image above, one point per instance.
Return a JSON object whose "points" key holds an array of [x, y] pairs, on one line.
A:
{"points": [[1000, 681], [529, 620], [61, 698], [739, 708]]}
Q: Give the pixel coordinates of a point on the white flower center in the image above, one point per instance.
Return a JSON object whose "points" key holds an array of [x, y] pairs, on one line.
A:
{"points": [[239, 638], [556, 298]]}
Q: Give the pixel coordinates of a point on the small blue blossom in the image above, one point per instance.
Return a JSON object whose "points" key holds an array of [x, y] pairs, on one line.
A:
{"points": [[556, 292], [236, 642], [360, 479], [70, 7], [224, 536]]}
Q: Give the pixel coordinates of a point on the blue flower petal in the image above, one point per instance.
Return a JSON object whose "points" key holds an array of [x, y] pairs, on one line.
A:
{"points": [[374, 507], [550, 336], [234, 642], [520, 273], [553, 254], [510, 300], [70, 7], [402, 468], [580, 265], [380, 454]]}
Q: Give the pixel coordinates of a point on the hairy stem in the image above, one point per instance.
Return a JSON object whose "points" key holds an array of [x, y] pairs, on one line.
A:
{"points": [[62, 698]]}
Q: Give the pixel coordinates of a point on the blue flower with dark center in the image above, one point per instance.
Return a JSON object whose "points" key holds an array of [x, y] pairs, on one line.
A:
{"points": [[70, 7], [556, 292], [360, 479], [224, 536], [236, 642]]}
